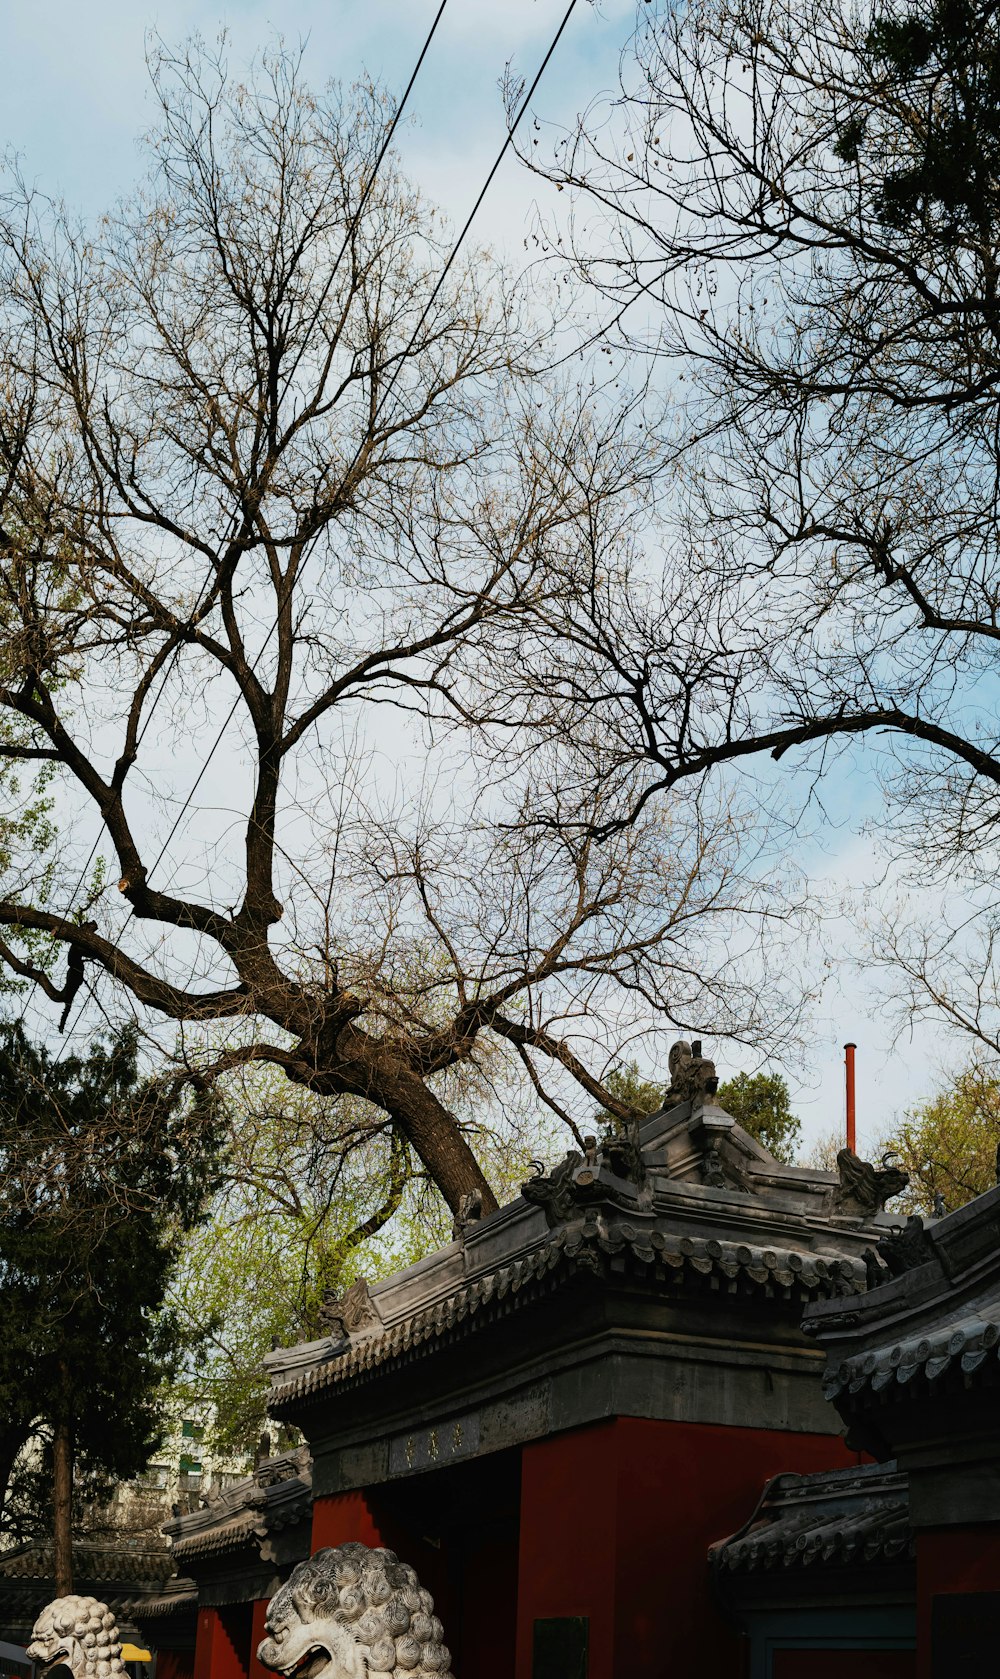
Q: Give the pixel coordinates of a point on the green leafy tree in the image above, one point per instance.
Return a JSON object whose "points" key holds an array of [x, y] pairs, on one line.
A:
{"points": [[633, 1091], [315, 1193], [104, 1172], [948, 1144], [761, 1104]]}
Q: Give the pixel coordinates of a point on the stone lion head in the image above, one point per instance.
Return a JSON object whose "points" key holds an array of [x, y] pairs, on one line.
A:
{"points": [[78, 1633], [352, 1611]]}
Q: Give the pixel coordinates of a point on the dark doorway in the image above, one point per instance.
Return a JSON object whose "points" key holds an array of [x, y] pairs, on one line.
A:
{"points": [[459, 1529]]}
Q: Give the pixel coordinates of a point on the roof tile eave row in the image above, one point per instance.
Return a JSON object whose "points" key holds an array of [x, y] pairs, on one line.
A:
{"points": [[583, 1245], [969, 1346]]}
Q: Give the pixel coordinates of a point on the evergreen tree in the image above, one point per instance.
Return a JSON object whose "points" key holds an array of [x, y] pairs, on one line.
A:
{"points": [[761, 1104], [628, 1085], [103, 1172]]}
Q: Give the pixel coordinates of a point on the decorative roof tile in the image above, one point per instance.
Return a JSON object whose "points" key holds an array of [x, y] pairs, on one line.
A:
{"points": [[121, 1564], [840, 1518], [179, 1597], [935, 1321], [275, 1496], [967, 1347], [591, 1244]]}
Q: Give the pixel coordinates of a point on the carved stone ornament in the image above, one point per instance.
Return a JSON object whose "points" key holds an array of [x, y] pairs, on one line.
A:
{"points": [[712, 1170], [347, 1314], [352, 1611], [610, 1171], [470, 1211], [692, 1075], [899, 1251], [865, 1188], [622, 1153], [78, 1633]]}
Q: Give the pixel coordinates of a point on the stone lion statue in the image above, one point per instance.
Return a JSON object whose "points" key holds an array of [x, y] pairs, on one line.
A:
{"points": [[350, 1611], [81, 1634]]}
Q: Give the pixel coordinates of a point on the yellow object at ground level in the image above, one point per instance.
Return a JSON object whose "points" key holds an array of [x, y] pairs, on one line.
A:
{"points": [[132, 1653]]}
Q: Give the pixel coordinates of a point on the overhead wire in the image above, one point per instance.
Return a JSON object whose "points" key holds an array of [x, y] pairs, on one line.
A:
{"points": [[324, 294], [401, 360]]}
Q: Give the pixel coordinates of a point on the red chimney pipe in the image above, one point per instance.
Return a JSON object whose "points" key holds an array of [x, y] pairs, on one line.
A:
{"points": [[849, 1086]]}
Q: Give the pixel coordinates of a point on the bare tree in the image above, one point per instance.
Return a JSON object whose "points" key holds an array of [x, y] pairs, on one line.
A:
{"points": [[794, 211], [265, 474]]}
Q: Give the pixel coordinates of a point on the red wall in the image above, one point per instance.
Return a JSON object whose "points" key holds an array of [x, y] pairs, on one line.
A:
{"points": [[222, 1647], [174, 1664], [952, 1559], [616, 1520], [342, 1517], [255, 1670]]}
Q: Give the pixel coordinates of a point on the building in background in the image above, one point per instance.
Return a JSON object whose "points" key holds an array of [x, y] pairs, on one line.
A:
{"points": [[553, 1418], [678, 1408]]}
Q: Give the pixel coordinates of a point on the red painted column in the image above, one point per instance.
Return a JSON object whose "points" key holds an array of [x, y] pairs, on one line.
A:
{"points": [[255, 1669], [616, 1521], [219, 1651], [952, 1559]]}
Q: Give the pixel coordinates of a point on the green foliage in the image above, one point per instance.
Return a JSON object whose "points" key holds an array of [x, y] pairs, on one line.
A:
{"points": [[317, 1192], [942, 61], [761, 1104], [948, 1144], [627, 1083], [103, 1174]]}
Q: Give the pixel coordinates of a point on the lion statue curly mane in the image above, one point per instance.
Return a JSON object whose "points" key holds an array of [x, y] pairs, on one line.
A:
{"points": [[81, 1634], [352, 1610]]}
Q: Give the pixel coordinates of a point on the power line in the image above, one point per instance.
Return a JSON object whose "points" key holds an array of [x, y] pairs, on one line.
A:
{"points": [[192, 616], [400, 362]]}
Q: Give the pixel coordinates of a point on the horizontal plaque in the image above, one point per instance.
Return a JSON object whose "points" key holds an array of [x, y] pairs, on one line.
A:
{"points": [[429, 1448]]}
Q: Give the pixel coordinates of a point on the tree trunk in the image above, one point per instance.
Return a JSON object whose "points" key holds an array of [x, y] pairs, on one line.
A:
{"points": [[365, 1069], [434, 1134], [62, 1496]]}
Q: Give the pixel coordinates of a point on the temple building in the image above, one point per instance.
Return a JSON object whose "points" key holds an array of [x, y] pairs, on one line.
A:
{"points": [[555, 1417]]}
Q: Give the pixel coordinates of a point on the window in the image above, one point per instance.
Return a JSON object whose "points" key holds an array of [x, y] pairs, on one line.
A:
{"points": [[192, 1430]]}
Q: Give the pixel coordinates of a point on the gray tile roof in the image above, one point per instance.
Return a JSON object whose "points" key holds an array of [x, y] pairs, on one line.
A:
{"points": [[713, 1211], [277, 1495], [179, 1597], [966, 1344], [838, 1518], [667, 1258], [938, 1319], [114, 1564]]}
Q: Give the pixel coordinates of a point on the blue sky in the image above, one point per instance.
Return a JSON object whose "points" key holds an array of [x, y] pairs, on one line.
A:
{"points": [[75, 96], [75, 93]]}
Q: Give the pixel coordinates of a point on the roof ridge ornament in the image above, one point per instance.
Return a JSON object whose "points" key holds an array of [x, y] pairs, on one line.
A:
{"points": [[611, 1170], [351, 1313], [470, 1211], [692, 1075], [864, 1189]]}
